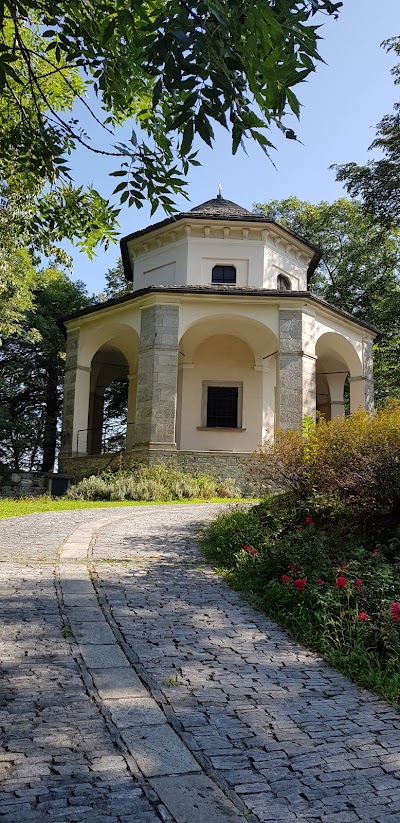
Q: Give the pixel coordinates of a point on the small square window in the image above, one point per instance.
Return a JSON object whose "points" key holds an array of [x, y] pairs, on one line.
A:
{"points": [[224, 274], [222, 406]]}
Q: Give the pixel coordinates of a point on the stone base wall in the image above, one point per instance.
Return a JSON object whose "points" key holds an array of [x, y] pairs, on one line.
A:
{"points": [[220, 465], [24, 484]]}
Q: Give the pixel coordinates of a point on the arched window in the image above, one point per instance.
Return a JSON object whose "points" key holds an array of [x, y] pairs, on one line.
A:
{"points": [[283, 283], [224, 274]]}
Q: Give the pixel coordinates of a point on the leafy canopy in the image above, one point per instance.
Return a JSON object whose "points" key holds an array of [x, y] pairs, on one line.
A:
{"points": [[172, 67], [377, 183]]}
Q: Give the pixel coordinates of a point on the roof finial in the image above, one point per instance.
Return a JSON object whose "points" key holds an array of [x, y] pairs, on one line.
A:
{"points": [[219, 195]]}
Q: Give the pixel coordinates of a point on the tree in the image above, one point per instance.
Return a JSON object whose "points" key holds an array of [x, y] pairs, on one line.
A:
{"points": [[31, 373], [359, 271], [116, 283], [173, 68], [377, 183]]}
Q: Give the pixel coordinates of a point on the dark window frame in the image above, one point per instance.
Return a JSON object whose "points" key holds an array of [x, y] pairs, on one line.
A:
{"points": [[212, 384], [227, 274]]}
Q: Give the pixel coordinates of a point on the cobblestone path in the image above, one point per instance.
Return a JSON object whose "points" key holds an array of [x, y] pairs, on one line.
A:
{"points": [[294, 739], [230, 720]]}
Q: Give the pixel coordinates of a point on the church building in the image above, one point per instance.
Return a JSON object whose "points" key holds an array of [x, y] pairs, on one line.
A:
{"points": [[220, 342]]}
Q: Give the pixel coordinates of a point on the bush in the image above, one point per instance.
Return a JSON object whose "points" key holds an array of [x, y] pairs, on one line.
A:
{"points": [[348, 464], [151, 483]]}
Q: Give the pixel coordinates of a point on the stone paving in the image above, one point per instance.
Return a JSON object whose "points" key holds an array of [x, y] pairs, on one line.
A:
{"points": [[160, 695]]}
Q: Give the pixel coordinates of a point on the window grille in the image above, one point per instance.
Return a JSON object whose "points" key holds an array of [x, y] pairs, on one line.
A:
{"points": [[222, 407], [224, 274]]}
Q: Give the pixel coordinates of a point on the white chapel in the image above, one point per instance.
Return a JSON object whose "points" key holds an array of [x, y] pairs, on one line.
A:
{"points": [[220, 341]]}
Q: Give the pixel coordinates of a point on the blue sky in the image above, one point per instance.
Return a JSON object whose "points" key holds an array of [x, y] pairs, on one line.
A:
{"points": [[341, 103]]}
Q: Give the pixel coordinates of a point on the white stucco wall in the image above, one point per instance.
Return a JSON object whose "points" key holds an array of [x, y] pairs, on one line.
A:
{"points": [[186, 254], [223, 358]]}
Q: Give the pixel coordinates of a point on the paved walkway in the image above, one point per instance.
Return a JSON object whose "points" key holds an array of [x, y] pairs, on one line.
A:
{"points": [[136, 687]]}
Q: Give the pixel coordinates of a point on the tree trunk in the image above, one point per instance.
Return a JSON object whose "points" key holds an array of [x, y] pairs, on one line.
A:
{"points": [[50, 418]]}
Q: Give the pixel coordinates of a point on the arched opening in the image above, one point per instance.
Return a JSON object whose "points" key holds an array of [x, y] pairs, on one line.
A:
{"points": [[226, 384], [108, 402], [339, 370]]}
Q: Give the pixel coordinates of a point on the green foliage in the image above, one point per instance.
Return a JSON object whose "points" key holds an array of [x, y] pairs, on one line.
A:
{"points": [[116, 283], [174, 68], [377, 183], [315, 578], [150, 483], [31, 374], [353, 462], [359, 272]]}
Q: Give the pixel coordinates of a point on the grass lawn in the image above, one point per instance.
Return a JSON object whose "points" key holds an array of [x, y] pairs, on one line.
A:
{"points": [[31, 505]]}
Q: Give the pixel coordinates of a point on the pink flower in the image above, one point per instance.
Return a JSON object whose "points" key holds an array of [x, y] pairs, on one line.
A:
{"points": [[320, 581], [341, 582], [308, 521], [395, 611], [285, 578], [253, 552], [376, 552], [363, 616], [300, 583], [359, 583]]}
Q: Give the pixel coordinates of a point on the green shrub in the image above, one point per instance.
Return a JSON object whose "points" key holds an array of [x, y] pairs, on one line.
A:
{"points": [[349, 467], [150, 483]]}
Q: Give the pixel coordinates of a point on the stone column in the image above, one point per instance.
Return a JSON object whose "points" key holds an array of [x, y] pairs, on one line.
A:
{"points": [[336, 390], [157, 377], [71, 359], [296, 393], [76, 401], [362, 388]]}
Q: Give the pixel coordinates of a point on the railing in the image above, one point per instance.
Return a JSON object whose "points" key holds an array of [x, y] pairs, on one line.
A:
{"points": [[106, 440]]}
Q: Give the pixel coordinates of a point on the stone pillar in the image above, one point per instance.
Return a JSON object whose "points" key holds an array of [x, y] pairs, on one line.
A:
{"points": [[362, 387], [71, 359], [296, 393], [157, 377], [76, 401], [336, 390]]}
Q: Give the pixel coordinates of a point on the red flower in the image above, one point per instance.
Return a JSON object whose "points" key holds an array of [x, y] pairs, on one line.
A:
{"points": [[319, 580], [308, 521], [359, 583], [341, 582], [246, 548], [285, 578], [253, 552], [376, 552], [300, 583], [363, 616], [395, 611]]}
